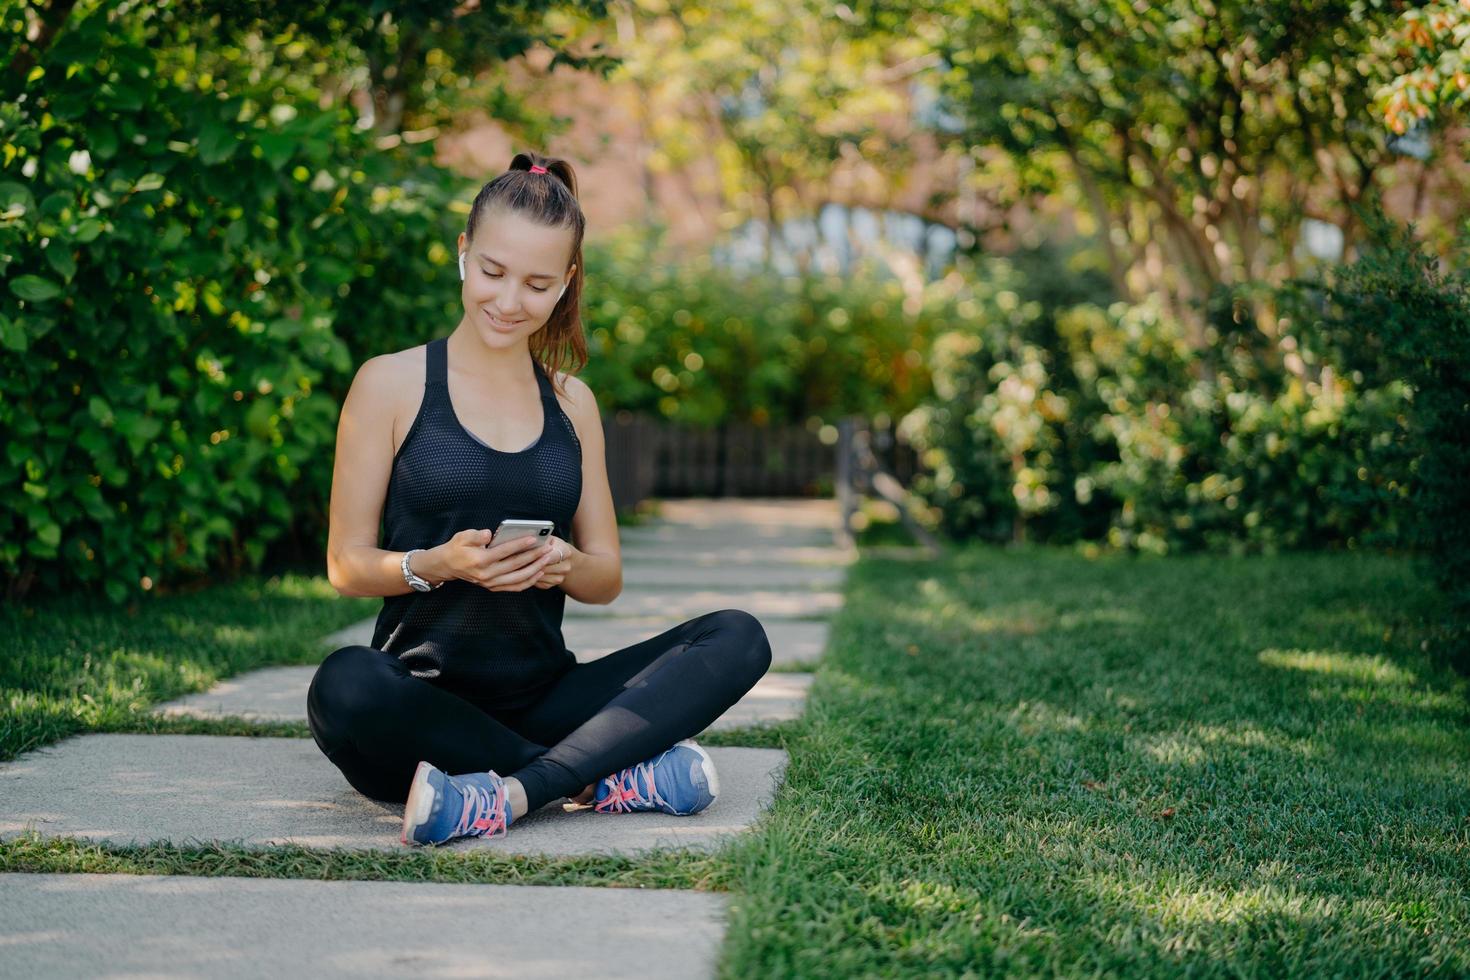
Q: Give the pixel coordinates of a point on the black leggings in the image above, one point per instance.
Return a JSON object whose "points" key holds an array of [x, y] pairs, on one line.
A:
{"points": [[375, 721]]}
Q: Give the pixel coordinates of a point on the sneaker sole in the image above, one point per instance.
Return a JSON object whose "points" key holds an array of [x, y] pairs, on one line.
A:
{"points": [[712, 777], [420, 803]]}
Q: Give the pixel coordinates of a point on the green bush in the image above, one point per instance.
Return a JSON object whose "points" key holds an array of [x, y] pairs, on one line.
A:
{"points": [[686, 340], [1011, 437], [1093, 423], [1395, 316], [176, 260]]}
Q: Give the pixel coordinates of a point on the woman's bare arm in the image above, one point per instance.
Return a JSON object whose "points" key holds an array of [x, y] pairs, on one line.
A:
{"points": [[596, 573], [364, 459]]}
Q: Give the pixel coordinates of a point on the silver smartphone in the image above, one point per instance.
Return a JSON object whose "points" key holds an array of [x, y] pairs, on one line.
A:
{"points": [[515, 527]]}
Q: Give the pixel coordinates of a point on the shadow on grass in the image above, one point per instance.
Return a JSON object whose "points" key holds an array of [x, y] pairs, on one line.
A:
{"points": [[1030, 762], [75, 663]]}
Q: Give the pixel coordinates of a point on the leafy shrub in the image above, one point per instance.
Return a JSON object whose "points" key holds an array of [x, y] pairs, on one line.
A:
{"points": [[687, 340], [1008, 438], [1101, 423], [176, 260], [1396, 316]]}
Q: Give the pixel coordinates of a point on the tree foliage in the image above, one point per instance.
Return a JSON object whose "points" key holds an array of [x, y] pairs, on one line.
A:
{"points": [[1436, 40], [409, 64], [792, 107], [1195, 134]]}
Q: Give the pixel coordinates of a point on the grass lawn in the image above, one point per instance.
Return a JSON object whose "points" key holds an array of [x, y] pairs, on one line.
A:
{"points": [[1022, 762], [79, 663], [1027, 762]]}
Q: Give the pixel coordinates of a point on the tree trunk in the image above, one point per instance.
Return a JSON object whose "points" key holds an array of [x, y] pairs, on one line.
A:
{"points": [[1103, 215]]}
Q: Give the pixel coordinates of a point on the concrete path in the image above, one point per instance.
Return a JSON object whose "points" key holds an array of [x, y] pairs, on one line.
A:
{"points": [[263, 791], [279, 694], [73, 925], [763, 604], [642, 574], [734, 552]]}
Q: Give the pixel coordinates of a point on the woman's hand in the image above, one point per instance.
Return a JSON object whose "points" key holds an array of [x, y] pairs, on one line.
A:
{"points": [[556, 572], [511, 566]]}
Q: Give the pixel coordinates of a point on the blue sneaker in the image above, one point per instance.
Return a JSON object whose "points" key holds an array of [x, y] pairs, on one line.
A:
{"points": [[680, 781], [442, 807]]}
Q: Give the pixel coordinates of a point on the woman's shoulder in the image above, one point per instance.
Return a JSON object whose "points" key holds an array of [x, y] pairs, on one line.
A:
{"points": [[580, 406], [396, 369], [393, 383], [577, 393]]}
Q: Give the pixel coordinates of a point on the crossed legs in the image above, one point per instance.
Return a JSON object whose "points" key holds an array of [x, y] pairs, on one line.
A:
{"points": [[375, 721]]}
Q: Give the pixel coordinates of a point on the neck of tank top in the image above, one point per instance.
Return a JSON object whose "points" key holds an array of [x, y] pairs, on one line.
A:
{"points": [[437, 369]]}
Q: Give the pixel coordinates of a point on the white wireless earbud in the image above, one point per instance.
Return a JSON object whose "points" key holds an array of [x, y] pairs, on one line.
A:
{"points": [[461, 267], [563, 289]]}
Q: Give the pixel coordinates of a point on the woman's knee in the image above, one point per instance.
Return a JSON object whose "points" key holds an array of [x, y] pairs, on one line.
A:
{"points": [[346, 684], [750, 647]]}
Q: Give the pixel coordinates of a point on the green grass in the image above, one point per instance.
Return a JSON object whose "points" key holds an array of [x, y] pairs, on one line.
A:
{"points": [[693, 870], [1025, 762], [1014, 762], [76, 664]]}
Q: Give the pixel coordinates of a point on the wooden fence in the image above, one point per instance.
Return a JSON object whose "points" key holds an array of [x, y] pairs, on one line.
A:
{"points": [[647, 456]]}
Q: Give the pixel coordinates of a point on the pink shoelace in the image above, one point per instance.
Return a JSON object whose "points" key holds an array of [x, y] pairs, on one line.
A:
{"points": [[625, 797], [484, 810]]}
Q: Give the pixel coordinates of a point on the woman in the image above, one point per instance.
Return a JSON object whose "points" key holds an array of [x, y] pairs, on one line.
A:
{"points": [[467, 673]]}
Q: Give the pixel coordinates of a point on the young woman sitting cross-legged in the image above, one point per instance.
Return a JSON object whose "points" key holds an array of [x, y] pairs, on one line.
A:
{"points": [[467, 706]]}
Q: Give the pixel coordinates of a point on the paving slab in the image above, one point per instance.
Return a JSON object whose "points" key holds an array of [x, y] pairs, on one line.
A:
{"points": [[641, 573], [279, 694], [259, 792], [763, 604], [775, 698], [793, 641], [267, 694], [744, 553], [744, 511], [71, 925], [719, 538]]}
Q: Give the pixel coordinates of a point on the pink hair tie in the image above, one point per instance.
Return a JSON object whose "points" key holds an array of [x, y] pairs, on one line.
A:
{"points": [[538, 169]]}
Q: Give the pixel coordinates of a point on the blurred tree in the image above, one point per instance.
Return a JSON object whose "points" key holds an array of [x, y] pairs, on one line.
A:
{"points": [[1436, 39], [1200, 132], [781, 94]]}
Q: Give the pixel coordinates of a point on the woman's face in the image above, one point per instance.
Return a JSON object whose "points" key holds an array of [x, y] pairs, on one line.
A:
{"points": [[513, 271]]}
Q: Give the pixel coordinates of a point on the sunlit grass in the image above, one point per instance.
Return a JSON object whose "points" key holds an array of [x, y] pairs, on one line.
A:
{"points": [[1374, 670], [1031, 762], [77, 664]]}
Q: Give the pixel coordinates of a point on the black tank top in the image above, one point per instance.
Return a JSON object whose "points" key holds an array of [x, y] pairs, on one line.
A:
{"points": [[498, 649]]}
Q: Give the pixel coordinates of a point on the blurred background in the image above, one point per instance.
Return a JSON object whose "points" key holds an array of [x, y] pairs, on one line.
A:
{"points": [[1159, 276]]}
